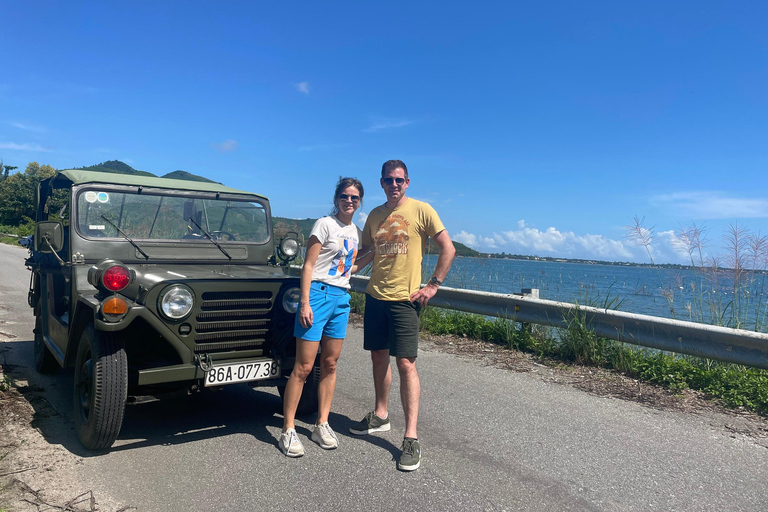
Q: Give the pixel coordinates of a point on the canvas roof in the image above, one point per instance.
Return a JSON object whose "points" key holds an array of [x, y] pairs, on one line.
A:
{"points": [[78, 177]]}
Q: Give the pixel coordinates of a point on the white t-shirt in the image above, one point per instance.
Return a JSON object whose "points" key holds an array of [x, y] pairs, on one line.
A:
{"points": [[340, 244]]}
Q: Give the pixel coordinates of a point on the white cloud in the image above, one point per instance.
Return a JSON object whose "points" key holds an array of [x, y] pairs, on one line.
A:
{"points": [[386, 124], [225, 147], [673, 244], [475, 241], [302, 87], [361, 218], [553, 242], [25, 147], [712, 205], [29, 127]]}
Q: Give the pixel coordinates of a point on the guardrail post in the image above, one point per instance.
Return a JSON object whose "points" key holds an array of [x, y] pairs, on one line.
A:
{"points": [[532, 293]]}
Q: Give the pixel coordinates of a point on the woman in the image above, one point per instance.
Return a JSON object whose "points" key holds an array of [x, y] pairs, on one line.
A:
{"points": [[324, 310]]}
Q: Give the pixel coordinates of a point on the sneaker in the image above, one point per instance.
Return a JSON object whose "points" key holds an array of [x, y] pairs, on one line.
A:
{"points": [[290, 444], [410, 459], [324, 435], [370, 424]]}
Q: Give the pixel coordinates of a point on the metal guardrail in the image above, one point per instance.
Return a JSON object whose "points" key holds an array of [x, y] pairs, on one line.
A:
{"points": [[709, 341]]}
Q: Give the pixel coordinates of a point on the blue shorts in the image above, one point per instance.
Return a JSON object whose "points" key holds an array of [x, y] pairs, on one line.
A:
{"points": [[330, 313]]}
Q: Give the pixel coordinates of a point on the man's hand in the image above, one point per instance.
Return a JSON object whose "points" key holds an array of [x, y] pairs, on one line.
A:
{"points": [[423, 295]]}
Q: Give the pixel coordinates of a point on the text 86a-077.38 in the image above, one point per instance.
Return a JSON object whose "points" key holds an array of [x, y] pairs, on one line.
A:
{"points": [[242, 372]]}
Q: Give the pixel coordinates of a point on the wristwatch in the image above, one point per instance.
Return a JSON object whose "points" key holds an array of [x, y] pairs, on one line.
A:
{"points": [[435, 281]]}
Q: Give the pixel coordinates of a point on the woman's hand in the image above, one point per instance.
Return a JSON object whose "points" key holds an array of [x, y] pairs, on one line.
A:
{"points": [[305, 315]]}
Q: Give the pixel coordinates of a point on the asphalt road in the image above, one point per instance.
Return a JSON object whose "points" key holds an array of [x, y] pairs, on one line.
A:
{"points": [[492, 440]]}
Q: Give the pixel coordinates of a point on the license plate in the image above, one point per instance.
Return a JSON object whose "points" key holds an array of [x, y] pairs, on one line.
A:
{"points": [[242, 372]]}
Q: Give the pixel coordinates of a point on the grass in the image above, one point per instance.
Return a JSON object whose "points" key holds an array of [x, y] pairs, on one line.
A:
{"points": [[735, 385], [727, 289], [12, 234]]}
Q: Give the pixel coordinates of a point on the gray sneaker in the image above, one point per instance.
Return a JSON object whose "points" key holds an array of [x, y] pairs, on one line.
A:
{"points": [[290, 444], [324, 435], [410, 460], [370, 424]]}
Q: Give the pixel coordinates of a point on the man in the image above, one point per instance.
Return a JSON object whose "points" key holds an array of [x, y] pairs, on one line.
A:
{"points": [[399, 230]]}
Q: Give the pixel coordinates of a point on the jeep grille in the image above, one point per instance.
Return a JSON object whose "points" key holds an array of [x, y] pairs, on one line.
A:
{"points": [[235, 320]]}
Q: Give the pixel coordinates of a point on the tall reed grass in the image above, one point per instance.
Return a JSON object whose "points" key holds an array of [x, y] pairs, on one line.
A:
{"points": [[727, 289]]}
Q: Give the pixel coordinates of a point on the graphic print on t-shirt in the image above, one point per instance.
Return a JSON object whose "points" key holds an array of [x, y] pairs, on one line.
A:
{"points": [[392, 237], [345, 257]]}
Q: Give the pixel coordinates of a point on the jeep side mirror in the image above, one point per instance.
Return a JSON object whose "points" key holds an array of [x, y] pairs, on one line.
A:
{"points": [[49, 236]]}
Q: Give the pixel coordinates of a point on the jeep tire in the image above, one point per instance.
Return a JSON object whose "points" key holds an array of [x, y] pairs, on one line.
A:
{"points": [[44, 360], [101, 388]]}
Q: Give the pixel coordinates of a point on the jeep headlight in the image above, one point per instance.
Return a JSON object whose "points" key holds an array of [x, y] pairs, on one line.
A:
{"points": [[288, 247], [176, 302], [291, 299]]}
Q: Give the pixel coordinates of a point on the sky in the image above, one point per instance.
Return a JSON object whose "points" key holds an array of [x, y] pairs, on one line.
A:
{"points": [[536, 128]]}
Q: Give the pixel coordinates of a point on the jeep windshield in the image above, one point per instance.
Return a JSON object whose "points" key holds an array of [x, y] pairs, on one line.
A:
{"points": [[170, 216]]}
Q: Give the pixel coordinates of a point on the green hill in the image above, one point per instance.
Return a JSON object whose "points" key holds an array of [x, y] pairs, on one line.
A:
{"points": [[282, 225], [117, 167], [461, 249], [184, 175]]}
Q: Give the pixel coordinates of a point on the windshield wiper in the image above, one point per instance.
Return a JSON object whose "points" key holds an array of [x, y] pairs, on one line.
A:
{"points": [[126, 236], [210, 238]]}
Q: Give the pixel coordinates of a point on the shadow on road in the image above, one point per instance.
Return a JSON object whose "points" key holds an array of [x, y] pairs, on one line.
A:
{"points": [[236, 409]]}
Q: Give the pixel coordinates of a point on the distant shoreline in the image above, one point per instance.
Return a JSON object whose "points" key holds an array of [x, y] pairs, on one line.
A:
{"points": [[550, 259], [546, 259]]}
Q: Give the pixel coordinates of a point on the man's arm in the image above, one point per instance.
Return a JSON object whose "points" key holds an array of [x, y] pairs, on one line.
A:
{"points": [[362, 261], [447, 252]]}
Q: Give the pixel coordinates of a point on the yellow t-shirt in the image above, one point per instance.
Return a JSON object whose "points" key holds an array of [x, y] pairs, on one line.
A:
{"points": [[399, 238]]}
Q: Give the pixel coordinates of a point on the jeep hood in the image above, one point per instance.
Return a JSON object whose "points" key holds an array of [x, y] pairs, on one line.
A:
{"points": [[151, 275]]}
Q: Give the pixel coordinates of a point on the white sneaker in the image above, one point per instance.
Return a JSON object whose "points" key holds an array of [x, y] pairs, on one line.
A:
{"points": [[290, 444], [324, 435]]}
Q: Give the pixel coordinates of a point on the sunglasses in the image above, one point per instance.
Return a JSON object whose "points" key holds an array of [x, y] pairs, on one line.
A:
{"points": [[347, 197], [390, 181]]}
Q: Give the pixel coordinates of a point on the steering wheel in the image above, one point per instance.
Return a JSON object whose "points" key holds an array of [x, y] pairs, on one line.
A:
{"points": [[218, 234]]}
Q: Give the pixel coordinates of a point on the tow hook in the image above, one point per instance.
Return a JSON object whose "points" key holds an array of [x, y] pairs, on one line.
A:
{"points": [[204, 362]]}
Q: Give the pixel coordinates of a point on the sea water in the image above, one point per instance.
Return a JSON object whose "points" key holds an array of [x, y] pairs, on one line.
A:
{"points": [[685, 294]]}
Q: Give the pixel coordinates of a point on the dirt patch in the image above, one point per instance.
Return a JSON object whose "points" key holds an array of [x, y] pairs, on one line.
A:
{"points": [[36, 475]]}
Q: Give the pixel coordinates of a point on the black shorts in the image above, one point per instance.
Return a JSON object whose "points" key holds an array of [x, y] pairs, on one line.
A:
{"points": [[392, 326]]}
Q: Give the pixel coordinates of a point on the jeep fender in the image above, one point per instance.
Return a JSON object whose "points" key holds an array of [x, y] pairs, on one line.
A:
{"points": [[86, 311], [84, 314]]}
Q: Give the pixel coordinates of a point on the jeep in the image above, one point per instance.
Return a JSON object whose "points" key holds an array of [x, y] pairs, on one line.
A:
{"points": [[152, 287]]}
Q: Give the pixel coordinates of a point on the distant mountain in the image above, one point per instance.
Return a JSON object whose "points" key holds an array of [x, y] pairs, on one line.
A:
{"points": [[282, 225], [117, 167], [461, 249], [184, 175]]}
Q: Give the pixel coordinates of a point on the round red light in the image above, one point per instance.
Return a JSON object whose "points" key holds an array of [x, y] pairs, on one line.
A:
{"points": [[116, 278]]}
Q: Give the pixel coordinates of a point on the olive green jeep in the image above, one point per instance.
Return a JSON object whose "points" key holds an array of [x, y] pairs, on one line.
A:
{"points": [[152, 287]]}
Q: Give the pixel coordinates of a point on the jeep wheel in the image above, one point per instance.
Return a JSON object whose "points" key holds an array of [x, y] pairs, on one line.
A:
{"points": [[101, 388], [308, 401], [44, 360]]}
